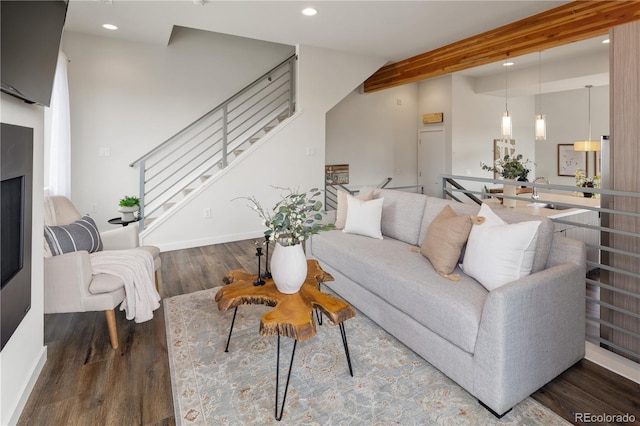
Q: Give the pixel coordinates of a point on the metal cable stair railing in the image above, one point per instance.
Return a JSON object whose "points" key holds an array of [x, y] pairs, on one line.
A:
{"points": [[183, 162], [332, 186]]}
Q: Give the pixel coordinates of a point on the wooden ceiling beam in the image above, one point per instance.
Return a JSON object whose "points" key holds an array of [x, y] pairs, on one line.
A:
{"points": [[575, 21]]}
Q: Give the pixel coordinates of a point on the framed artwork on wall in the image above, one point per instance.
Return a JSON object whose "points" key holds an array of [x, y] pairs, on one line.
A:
{"points": [[569, 160], [337, 174]]}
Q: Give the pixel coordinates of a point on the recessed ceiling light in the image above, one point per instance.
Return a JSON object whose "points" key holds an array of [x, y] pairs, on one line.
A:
{"points": [[508, 64], [109, 27], [309, 11], [605, 41]]}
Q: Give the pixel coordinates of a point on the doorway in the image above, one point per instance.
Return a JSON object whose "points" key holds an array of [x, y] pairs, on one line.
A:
{"points": [[431, 160]]}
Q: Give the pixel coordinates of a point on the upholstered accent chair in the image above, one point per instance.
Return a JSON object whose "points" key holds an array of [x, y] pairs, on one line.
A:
{"points": [[69, 282]]}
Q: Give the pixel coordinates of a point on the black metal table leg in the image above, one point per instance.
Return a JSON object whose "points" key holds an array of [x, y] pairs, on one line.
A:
{"points": [[346, 347], [318, 313], [235, 311], [286, 386]]}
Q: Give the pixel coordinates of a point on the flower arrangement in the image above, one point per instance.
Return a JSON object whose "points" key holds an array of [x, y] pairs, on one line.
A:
{"points": [[296, 217], [586, 182], [509, 167]]}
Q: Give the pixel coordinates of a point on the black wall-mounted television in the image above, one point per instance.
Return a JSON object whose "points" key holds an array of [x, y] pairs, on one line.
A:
{"points": [[31, 34]]}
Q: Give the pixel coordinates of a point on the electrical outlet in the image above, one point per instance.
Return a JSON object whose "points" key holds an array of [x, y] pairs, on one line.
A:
{"points": [[94, 207], [206, 213], [104, 151]]}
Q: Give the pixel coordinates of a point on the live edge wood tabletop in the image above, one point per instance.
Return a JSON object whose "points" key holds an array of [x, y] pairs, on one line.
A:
{"points": [[292, 313]]}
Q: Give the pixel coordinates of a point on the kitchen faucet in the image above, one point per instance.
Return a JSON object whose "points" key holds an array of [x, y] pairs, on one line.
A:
{"points": [[534, 193]]}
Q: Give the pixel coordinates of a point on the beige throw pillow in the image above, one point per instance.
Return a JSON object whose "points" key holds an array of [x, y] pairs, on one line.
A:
{"points": [[341, 212], [444, 240]]}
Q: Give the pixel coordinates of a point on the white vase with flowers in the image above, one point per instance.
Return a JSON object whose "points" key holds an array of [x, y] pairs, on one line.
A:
{"points": [[293, 219]]}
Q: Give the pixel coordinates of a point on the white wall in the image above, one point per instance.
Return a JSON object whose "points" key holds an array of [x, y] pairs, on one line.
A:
{"points": [[24, 355], [292, 156], [129, 97], [567, 121], [358, 128], [370, 132], [435, 95], [375, 134], [476, 123]]}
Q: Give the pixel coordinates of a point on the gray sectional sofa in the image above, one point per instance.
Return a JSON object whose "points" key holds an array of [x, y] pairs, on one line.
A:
{"points": [[500, 345]]}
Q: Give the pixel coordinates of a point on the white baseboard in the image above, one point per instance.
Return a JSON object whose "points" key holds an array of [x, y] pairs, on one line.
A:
{"points": [[26, 391], [219, 239], [611, 361]]}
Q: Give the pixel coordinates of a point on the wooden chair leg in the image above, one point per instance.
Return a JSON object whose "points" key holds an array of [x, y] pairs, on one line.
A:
{"points": [[157, 282], [111, 324]]}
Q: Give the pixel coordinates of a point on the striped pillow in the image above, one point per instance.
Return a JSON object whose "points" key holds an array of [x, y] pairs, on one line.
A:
{"points": [[80, 235]]}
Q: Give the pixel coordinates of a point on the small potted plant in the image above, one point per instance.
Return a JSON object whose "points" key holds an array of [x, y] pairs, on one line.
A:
{"points": [[129, 206], [510, 168], [293, 219], [587, 182]]}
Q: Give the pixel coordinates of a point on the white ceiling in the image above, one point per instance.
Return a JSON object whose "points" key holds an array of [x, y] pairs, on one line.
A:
{"points": [[393, 30]]}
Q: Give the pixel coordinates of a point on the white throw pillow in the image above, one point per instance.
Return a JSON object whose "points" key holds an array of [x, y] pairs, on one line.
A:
{"points": [[341, 211], [363, 217], [497, 252]]}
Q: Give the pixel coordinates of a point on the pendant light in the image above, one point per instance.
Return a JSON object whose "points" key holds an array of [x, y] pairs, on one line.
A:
{"points": [[541, 125], [506, 118], [587, 145]]}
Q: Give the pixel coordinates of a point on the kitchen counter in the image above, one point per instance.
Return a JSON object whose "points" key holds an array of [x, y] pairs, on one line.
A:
{"points": [[525, 204]]}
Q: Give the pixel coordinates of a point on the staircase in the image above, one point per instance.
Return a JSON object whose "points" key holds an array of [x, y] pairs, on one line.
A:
{"points": [[171, 172]]}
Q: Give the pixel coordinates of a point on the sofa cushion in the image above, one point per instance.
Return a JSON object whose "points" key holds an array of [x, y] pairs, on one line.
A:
{"points": [[445, 238], [407, 281], [435, 205], [341, 211], [78, 236], [363, 217], [497, 252], [402, 214], [545, 231]]}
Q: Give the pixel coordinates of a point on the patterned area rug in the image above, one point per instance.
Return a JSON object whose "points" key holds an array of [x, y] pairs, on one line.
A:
{"points": [[391, 384]]}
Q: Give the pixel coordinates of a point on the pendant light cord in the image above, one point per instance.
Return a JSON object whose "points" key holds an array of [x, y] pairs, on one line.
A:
{"points": [[589, 109], [540, 80], [506, 87]]}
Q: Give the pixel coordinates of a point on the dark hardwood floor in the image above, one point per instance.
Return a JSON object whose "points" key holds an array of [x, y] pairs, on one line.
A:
{"points": [[85, 382]]}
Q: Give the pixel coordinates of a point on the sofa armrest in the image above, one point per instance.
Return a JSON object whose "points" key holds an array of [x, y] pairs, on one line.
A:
{"points": [[531, 330], [122, 238], [66, 282]]}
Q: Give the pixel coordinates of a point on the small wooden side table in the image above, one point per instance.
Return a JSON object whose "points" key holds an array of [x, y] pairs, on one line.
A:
{"points": [[292, 314]]}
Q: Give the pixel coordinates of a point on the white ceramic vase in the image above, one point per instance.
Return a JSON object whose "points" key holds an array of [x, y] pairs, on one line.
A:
{"points": [[127, 213], [288, 268], [509, 189]]}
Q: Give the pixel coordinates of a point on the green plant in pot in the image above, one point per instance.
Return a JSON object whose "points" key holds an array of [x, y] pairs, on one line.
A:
{"points": [[293, 219], [510, 167], [586, 182], [128, 207]]}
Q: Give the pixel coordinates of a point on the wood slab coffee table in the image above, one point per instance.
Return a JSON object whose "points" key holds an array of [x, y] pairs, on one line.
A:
{"points": [[292, 314]]}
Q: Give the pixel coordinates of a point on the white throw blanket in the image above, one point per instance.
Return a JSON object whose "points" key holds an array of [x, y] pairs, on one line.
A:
{"points": [[135, 268]]}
